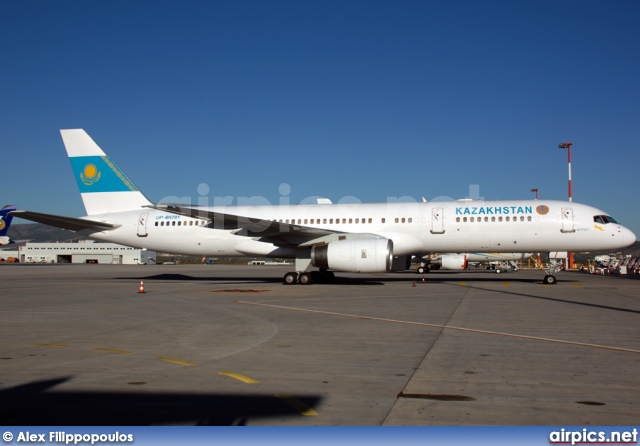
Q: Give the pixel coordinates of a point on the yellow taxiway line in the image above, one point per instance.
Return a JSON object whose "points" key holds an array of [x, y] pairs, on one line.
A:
{"points": [[239, 377]]}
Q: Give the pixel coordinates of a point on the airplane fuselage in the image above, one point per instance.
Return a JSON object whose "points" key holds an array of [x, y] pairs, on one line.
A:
{"points": [[414, 228]]}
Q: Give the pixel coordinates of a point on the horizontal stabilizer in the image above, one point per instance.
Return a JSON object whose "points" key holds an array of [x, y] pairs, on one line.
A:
{"points": [[69, 223]]}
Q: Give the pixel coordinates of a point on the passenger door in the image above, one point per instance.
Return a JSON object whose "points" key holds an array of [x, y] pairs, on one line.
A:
{"points": [[437, 221], [142, 225], [567, 220]]}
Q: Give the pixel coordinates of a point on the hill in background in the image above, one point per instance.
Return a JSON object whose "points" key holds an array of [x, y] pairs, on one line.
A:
{"points": [[40, 233]]}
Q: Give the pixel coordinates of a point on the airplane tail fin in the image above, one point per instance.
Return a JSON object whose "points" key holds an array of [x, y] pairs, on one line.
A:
{"points": [[103, 186], [5, 219]]}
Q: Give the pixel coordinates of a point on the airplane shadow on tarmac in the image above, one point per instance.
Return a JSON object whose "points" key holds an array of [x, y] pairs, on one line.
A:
{"points": [[35, 404], [251, 280], [447, 278]]}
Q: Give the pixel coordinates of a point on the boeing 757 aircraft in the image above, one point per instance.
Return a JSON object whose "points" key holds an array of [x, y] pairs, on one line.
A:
{"points": [[367, 238]]}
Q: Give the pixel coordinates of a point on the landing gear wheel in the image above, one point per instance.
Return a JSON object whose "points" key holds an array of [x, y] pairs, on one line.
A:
{"points": [[498, 271], [423, 269], [305, 279], [290, 279], [550, 280]]}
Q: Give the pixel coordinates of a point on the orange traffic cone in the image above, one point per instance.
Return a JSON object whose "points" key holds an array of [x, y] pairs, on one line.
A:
{"points": [[422, 279], [142, 287]]}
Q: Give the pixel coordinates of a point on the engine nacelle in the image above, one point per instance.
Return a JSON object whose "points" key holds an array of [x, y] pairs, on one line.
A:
{"points": [[454, 262], [361, 255]]}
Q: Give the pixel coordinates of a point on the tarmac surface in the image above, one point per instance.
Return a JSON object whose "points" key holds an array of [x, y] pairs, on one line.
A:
{"points": [[231, 345]]}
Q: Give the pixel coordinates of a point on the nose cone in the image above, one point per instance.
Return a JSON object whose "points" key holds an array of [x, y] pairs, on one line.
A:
{"points": [[628, 237]]}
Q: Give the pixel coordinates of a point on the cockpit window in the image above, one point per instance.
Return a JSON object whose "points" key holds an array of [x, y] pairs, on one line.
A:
{"points": [[604, 219]]}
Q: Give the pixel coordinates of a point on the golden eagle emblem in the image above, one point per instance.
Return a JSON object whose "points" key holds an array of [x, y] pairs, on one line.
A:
{"points": [[542, 209], [90, 175]]}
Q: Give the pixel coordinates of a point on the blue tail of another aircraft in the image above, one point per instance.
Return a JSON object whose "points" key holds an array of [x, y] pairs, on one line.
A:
{"points": [[5, 219]]}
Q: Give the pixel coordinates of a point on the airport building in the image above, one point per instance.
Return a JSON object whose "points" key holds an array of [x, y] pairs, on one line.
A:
{"points": [[84, 251]]}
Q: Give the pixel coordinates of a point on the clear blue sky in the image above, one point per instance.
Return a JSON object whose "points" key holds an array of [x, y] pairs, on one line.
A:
{"points": [[371, 99]]}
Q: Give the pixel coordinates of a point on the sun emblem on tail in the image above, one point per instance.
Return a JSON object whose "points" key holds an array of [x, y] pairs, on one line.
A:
{"points": [[90, 174], [2, 223]]}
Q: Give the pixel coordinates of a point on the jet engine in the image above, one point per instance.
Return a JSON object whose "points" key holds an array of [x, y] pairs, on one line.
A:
{"points": [[362, 255]]}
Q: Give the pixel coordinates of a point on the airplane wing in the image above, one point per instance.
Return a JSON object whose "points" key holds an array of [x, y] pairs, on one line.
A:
{"points": [[267, 230], [70, 223]]}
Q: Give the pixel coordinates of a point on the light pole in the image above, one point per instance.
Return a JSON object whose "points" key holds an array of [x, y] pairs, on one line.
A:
{"points": [[567, 145]]}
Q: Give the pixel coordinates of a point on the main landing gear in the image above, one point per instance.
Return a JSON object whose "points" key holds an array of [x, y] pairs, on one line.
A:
{"points": [[308, 277], [301, 275], [551, 269]]}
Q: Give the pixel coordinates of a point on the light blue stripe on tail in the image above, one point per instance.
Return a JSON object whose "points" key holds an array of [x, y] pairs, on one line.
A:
{"points": [[100, 174]]}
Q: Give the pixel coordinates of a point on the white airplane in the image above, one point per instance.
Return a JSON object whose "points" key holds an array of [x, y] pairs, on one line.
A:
{"points": [[367, 238], [457, 261]]}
